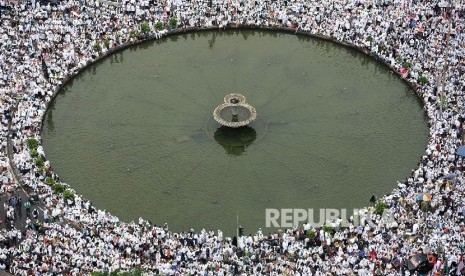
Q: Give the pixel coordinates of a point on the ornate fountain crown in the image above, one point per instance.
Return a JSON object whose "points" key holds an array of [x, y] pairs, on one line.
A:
{"points": [[235, 105]]}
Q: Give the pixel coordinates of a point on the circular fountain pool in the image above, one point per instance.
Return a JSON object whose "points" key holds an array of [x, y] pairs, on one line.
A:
{"points": [[135, 133]]}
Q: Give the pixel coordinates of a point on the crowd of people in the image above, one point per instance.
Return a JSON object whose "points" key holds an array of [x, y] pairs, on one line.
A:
{"points": [[42, 45]]}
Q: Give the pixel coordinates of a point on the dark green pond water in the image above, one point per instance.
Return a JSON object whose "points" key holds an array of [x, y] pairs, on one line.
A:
{"points": [[135, 135]]}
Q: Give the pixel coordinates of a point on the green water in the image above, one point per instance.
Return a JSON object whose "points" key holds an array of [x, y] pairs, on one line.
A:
{"points": [[135, 134]]}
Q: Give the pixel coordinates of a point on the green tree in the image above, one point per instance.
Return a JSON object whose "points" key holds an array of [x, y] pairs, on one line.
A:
{"points": [[311, 234], [407, 64], [50, 181], [328, 229], [40, 161], [34, 153], [145, 28], [173, 22], [32, 143], [380, 206], [159, 25], [68, 194], [97, 48], [58, 188], [423, 80]]}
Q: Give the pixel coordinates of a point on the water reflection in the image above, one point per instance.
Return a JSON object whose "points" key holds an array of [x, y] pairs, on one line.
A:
{"points": [[235, 140], [50, 123]]}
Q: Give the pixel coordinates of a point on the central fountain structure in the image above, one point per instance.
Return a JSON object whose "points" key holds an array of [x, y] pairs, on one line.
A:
{"points": [[234, 112]]}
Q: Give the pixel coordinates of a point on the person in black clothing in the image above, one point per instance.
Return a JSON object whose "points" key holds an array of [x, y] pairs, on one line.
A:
{"points": [[35, 214]]}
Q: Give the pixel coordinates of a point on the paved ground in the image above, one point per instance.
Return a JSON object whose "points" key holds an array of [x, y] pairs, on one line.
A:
{"points": [[20, 221]]}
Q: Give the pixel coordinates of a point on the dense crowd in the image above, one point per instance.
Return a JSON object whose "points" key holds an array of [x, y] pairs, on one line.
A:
{"points": [[42, 45]]}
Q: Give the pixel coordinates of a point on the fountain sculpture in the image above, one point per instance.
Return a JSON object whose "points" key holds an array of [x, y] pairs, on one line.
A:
{"points": [[234, 112]]}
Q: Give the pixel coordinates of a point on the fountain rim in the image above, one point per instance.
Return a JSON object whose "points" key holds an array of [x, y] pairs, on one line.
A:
{"points": [[227, 103]]}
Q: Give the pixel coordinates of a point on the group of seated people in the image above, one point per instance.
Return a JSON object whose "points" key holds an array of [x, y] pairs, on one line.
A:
{"points": [[43, 45]]}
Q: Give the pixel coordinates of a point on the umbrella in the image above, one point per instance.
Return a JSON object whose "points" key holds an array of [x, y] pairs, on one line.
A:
{"points": [[461, 151], [419, 263], [424, 197]]}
